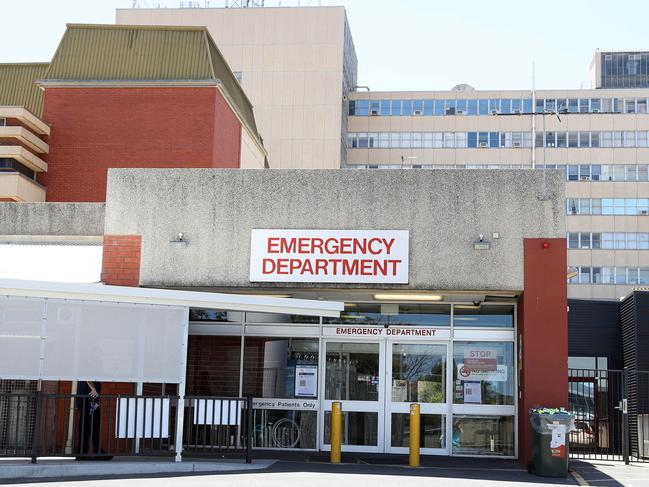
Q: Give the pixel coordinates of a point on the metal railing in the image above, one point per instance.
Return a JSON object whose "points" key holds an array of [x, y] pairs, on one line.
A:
{"points": [[611, 410], [218, 426], [72, 425]]}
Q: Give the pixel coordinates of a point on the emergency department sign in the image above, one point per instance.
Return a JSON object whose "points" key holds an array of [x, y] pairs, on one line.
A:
{"points": [[358, 256]]}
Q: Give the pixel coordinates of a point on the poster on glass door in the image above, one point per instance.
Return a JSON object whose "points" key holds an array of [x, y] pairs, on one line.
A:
{"points": [[306, 380]]}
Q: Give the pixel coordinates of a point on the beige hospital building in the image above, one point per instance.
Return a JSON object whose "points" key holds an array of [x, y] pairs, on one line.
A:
{"points": [[298, 67]]}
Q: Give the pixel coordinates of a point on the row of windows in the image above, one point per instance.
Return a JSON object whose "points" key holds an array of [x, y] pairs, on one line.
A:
{"points": [[440, 166], [11, 165], [605, 172], [439, 140], [625, 70], [581, 172], [494, 106], [610, 275], [607, 206], [608, 240]]}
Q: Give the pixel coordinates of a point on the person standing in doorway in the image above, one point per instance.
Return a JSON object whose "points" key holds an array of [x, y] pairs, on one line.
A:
{"points": [[88, 432]]}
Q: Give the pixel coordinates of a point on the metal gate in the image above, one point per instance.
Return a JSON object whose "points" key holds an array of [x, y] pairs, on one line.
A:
{"points": [[611, 409]]}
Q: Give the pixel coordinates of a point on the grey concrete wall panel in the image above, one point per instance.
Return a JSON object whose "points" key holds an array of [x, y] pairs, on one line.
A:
{"points": [[63, 219], [444, 210]]}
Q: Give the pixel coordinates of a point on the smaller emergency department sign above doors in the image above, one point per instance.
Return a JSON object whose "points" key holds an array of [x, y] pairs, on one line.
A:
{"points": [[360, 256]]}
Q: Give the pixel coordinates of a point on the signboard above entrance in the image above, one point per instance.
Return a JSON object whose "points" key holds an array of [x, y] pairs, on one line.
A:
{"points": [[345, 256]]}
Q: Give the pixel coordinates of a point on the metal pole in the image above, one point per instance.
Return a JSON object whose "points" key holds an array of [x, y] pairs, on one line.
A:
{"points": [[37, 428], [249, 430], [336, 431], [625, 416], [533, 116], [415, 423]]}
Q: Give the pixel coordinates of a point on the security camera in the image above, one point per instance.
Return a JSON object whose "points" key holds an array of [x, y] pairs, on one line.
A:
{"points": [[477, 302], [386, 325], [481, 237]]}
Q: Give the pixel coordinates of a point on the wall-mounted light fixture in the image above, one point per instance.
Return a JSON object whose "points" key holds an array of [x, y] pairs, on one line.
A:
{"points": [[180, 242], [481, 243]]}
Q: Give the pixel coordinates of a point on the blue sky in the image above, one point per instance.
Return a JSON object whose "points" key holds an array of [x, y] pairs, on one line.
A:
{"points": [[409, 44]]}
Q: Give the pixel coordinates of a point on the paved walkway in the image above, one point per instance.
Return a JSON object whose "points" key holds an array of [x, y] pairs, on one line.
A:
{"points": [[612, 474], [289, 469], [58, 468]]}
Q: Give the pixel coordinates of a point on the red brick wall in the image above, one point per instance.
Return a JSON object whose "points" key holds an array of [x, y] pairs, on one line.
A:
{"points": [[543, 333], [94, 129], [120, 264]]}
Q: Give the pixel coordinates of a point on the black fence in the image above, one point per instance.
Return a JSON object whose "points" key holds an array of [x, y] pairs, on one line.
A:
{"points": [[217, 426], [68, 425], [611, 409]]}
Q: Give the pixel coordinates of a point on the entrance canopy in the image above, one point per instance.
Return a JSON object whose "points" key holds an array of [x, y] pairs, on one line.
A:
{"points": [[60, 331]]}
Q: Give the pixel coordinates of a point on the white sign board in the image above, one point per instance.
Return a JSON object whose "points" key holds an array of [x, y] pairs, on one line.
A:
{"points": [[381, 331], [360, 256], [468, 374], [285, 404], [146, 418], [217, 412], [306, 380]]}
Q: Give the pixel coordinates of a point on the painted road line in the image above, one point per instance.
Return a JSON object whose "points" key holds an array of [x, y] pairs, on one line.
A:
{"points": [[580, 480]]}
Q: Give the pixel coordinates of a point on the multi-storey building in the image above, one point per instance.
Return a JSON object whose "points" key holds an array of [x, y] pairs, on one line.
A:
{"points": [[23, 134], [296, 65], [599, 136]]}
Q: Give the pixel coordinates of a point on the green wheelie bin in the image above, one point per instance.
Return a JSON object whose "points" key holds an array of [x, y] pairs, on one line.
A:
{"points": [[550, 430]]}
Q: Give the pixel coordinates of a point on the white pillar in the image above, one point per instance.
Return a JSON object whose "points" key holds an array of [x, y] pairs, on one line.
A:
{"points": [[180, 410]]}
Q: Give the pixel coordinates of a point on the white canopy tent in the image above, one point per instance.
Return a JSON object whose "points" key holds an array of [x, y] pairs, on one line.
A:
{"points": [[61, 331]]}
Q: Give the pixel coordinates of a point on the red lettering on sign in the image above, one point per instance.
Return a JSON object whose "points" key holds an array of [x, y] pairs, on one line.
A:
{"points": [[272, 245], [268, 266]]}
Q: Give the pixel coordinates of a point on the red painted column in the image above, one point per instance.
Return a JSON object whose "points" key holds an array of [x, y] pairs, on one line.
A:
{"points": [[120, 264], [542, 333]]}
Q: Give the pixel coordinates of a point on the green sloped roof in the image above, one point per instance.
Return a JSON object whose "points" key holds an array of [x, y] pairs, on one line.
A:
{"points": [[18, 86], [105, 53]]}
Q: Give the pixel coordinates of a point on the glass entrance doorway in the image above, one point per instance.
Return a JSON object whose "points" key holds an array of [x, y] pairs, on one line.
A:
{"points": [[376, 382]]}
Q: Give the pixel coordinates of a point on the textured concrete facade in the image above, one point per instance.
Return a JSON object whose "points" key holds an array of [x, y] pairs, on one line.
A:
{"points": [[55, 219], [444, 211]]}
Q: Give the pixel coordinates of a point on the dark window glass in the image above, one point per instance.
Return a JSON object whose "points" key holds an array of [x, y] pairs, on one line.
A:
{"points": [[11, 165], [439, 107], [396, 107], [406, 107], [472, 107], [394, 314], [483, 107], [215, 315], [385, 107], [214, 367], [472, 139], [362, 107], [271, 367], [429, 107], [484, 316], [494, 139], [527, 105], [483, 435]]}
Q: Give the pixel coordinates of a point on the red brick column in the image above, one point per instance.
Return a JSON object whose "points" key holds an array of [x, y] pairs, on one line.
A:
{"points": [[121, 260], [542, 333]]}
